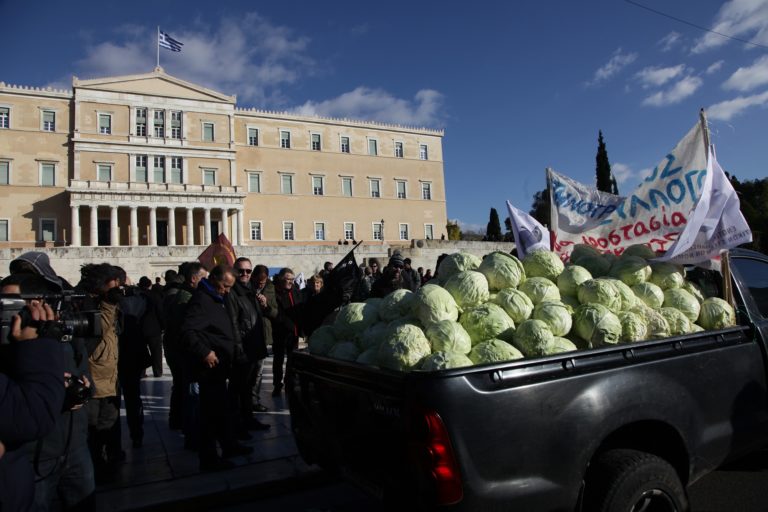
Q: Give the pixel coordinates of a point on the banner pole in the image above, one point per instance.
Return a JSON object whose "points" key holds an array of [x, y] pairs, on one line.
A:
{"points": [[552, 211], [705, 133], [157, 43]]}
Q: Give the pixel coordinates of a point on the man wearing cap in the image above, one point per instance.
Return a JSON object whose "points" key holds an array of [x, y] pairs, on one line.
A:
{"points": [[391, 277], [411, 279]]}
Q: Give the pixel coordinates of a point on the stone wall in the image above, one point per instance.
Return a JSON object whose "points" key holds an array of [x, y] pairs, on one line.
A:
{"points": [[154, 261]]}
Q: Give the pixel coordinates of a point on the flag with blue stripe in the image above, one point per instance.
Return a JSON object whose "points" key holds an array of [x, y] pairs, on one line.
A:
{"points": [[169, 43]]}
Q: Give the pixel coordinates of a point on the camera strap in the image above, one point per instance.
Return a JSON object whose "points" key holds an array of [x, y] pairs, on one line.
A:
{"points": [[60, 460]]}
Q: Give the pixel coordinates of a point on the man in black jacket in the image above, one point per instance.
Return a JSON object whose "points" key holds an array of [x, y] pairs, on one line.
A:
{"points": [[208, 338], [285, 327]]}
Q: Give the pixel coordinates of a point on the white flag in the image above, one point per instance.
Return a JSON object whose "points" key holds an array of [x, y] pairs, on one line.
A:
{"points": [[715, 224], [529, 234]]}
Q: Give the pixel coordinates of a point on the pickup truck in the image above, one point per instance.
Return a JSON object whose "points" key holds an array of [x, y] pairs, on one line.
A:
{"points": [[621, 428]]}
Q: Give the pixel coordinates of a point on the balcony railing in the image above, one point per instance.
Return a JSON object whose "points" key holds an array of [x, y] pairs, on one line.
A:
{"points": [[118, 186]]}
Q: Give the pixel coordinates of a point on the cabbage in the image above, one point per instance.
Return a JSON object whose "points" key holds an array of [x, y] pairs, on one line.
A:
{"points": [[597, 325], [696, 328], [583, 250], [455, 263], [321, 341], [682, 300], [556, 315], [396, 304], [569, 280], [487, 321], [344, 350], [667, 275], [656, 324], [448, 336], [369, 357], [404, 320], [444, 360], [539, 289], [543, 263], [517, 304], [502, 270], [433, 303], [631, 270], [598, 266], [468, 288], [628, 298], [600, 291], [560, 345], [404, 348], [494, 351], [532, 337], [354, 318], [677, 321], [640, 250], [373, 336], [694, 290], [650, 294], [633, 327], [374, 301], [570, 301], [716, 314]]}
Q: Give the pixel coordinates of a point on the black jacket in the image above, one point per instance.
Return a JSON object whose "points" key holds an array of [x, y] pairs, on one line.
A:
{"points": [[248, 321], [31, 397], [287, 323], [207, 326]]}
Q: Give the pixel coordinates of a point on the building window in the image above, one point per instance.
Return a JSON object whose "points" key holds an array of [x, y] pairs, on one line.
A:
{"points": [[209, 176], [423, 155], [285, 139], [5, 173], [346, 187], [373, 147], [254, 182], [286, 183], [177, 169], [141, 122], [104, 172], [253, 136], [256, 230], [5, 117], [288, 231], [159, 122], [378, 231], [48, 175], [105, 124], [403, 231], [429, 231], [315, 142], [401, 193], [208, 132], [176, 124], [158, 169], [399, 149], [4, 231], [345, 144], [48, 230], [317, 185], [426, 191], [375, 188], [319, 230], [349, 231], [49, 121], [141, 168]]}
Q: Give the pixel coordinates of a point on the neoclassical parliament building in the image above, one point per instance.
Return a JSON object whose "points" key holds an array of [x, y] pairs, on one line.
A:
{"points": [[152, 160]]}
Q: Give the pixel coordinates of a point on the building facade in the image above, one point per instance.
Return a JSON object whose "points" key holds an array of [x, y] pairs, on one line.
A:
{"points": [[151, 160]]}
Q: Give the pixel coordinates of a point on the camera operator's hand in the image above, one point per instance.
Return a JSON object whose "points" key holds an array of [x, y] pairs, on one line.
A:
{"points": [[211, 360], [2, 449], [42, 316], [67, 381]]}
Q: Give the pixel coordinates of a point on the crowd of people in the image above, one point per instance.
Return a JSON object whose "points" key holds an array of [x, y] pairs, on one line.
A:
{"points": [[83, 349]]}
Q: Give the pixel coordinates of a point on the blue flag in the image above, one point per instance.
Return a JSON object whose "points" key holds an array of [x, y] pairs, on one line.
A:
{"points": [[167, 42]]}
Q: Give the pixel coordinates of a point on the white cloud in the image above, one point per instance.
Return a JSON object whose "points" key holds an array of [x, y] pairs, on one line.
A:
{"points": [[656, 77], [248, 56], [624, 173], [746, 19], [713, 68], [726, 110], [745, 79], [669, 41], [377, 105], [468, 227], [617, 62], [675, 94]]}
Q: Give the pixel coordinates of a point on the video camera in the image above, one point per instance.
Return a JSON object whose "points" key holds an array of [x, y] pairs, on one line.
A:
{"points": [[74, 319]]}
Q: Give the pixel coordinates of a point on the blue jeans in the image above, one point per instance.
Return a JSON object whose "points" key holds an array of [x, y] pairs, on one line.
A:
{"points": [[70, 479]]}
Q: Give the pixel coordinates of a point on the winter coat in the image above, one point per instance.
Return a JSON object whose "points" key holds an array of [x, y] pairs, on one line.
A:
{"points": [[207, 327], [248, 322], [268, 312], [102, 362]]}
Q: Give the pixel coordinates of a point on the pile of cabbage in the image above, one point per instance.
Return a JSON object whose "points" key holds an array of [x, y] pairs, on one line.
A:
{"points": [[500, 309]]}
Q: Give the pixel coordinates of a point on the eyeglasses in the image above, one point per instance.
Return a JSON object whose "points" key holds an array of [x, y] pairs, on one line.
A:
{"points": [[244, 270]]}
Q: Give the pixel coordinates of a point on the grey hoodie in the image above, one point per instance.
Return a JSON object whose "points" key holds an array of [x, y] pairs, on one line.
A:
{"points": [[41, 263]]}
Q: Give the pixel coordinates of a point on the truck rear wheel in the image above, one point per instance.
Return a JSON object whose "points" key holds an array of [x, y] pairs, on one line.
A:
{"points": [[633, 481]]}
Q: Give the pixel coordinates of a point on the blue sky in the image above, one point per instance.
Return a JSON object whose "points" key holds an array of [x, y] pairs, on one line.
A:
{"points": [[518, 86]]}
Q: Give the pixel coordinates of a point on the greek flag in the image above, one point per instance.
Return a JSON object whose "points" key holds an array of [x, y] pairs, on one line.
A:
{"points": [[167, 42]]}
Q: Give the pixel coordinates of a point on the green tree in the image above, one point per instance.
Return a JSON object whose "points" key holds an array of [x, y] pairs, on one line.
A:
{"points": [[540, 209], [753, 197], [508, 235], [453, 229], [493, 229], [604, 176]]}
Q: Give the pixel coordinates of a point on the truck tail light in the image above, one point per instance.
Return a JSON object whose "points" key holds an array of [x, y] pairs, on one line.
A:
{"points": [[436, 454]]}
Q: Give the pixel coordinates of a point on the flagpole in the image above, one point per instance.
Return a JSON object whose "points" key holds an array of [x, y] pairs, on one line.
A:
{"points": [[705, 132], [157, 43], [552, 211]]}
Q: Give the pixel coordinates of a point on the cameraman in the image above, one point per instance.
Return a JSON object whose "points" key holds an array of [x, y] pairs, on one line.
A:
{"points": [[31, 397], [61, 460]]}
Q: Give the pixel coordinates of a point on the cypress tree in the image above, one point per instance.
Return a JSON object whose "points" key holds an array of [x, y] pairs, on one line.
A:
{"points": [[606, 182], [493, 230]]}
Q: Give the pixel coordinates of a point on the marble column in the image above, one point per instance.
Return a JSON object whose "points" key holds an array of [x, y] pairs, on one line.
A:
{"points": [[114, 231], [94, 226], [153, 226], [207, 226], [171, 225], [235, 237], [190, 227], [75, 229], [134, 226], [224, 221], [240, 227]]}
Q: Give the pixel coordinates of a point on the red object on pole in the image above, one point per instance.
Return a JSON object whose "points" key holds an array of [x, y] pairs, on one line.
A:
{"points": [[220, 252]]}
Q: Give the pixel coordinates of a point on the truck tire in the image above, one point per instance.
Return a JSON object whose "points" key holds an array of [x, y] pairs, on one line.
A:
{"points": [[633, 481]]}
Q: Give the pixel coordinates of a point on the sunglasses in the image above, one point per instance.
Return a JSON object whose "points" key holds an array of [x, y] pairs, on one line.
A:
{"points": [[244, 270]]}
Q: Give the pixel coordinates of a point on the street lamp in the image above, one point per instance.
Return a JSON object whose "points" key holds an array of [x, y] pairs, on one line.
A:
{"points": [[382, 231]]}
